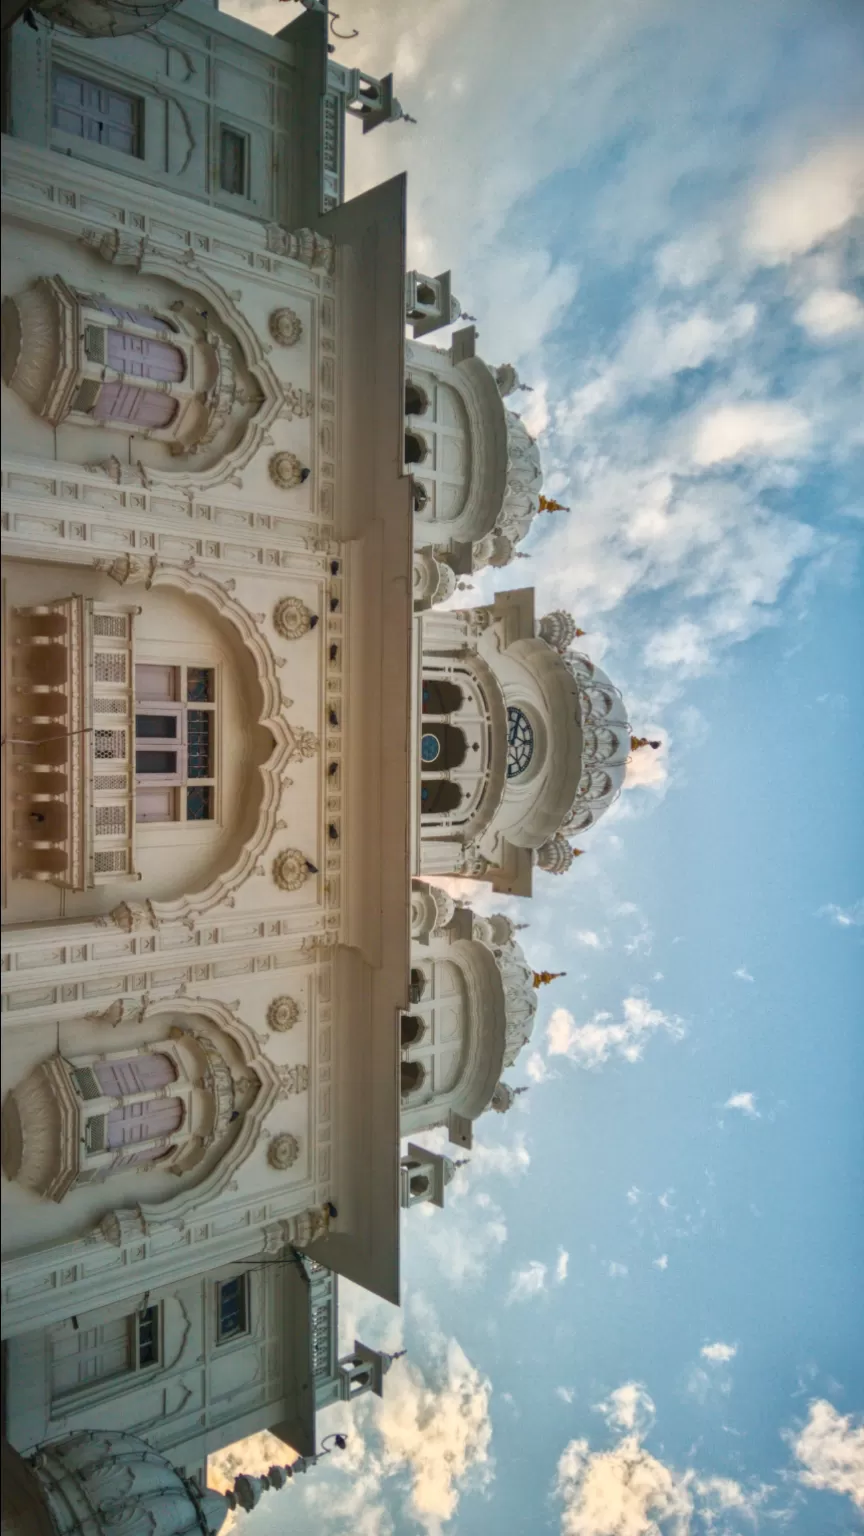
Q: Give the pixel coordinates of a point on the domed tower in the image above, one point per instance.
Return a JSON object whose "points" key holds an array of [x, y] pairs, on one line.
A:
{"points": [[521, 743], [476, 468], [472, 1011]]}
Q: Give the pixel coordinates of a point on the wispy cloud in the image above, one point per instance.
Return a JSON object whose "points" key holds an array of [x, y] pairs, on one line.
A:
{"points": [[662, 1262], [593, 1044], [719, 1353], [845, 917], [538, 1279], [615, 1270], [742, 973], [745, 1103]]}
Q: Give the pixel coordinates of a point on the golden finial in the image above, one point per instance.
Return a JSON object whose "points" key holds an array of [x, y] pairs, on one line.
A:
{"points": [[543, 978], [551, 506], [642, 741]]}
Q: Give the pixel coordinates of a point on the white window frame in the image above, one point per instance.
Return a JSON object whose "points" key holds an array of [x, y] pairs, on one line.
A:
{"points": [[180, 780], [113, 1383]]}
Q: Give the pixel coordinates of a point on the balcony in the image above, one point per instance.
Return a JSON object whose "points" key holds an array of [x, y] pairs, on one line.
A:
{"points": [[71, 744]]}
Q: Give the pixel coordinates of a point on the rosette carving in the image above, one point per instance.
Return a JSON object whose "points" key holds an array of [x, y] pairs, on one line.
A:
{"points": [[283, 1151], [291, 618], [283, 1014], [286, 471], [286, 327], [291, 869]]}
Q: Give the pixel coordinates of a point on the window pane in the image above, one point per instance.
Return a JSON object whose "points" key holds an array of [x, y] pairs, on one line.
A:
{"points": [[155, 683], [155, 805], [199, 685], [161, 726], [199, 803], [232, 161], [147, 408], [144, 358], [87, 110], [148, 1336], [232, 1307], [156, 762], [198, 730]]}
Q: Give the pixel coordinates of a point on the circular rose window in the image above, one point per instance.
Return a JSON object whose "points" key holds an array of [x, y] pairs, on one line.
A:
{"points": [[520, 742]]}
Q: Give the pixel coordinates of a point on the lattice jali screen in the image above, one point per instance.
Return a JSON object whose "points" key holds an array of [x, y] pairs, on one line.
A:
{"points": [[111, 861], [110, 744], [110, 820], [115, 625], [110, 666]]}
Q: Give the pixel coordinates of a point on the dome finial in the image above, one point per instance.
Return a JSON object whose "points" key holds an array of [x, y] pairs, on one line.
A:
{"points": [[636, 742], [543, 978], [545, 505]]}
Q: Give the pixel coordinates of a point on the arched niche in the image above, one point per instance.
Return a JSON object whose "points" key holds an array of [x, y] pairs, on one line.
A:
{"points": [[147, 367], [227, 1087], [205, 864]]}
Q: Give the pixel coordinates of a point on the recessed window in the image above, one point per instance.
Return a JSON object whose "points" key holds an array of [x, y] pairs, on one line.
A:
{"points": [[417, 984], [411, 1031], [420, 496], [411, 1076], [416, 400], [233, 161], [232, 1308], [175, 743], [520, 742], [89, 111], [416, 448], [147, 1332]]}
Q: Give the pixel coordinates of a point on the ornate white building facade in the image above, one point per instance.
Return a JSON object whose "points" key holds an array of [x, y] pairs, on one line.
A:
{"points": [[239, 729]]}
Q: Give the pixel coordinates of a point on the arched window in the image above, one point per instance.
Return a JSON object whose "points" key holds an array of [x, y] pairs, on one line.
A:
{"points": [[443, 747], [520, 742], [420, 496], [419, 1185], [146, 409], [139, 357], [134, 1074], [416, 448], [417, 985], [426, 295], [411, 1031], [439, 796], [416, 400], [440, 697], [411, 1076]]}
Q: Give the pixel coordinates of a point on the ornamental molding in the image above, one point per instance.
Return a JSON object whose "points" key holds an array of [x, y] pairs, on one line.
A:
{"points": [[282, 1014], [285, 327], [291, 618], [283, 1151], [291, 869], [286, 471], [293, 1080], [303, 245]]}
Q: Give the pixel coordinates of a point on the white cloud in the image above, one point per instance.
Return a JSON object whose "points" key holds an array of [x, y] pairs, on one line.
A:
{"points": [[536, 1278], [735, 431], [621, 1492], [591, 1045], [845, 917], [616, 1271], [566, 1394], [742, 973], [440, 1432], [509, 1161], [830, 312], [830, 1448], [745, 1102], [537, 1069], [799, 208], [634, 1195], [590, 939], [626, 1491], [662, 1262], [527, 1282], [719, 1353], [629, 1408]]}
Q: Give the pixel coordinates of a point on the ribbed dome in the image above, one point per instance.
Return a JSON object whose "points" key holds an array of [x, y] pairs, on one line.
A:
{"points": [[106, 1483], [105, 18], [606, 744], [556, 856]]}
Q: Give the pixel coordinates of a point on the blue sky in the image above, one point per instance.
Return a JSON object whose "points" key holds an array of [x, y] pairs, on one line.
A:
{"points": [[638, 1314]]}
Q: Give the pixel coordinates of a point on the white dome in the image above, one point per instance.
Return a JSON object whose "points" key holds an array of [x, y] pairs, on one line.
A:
{"points": [[105, 1482], [606, 744], [521, 497]]}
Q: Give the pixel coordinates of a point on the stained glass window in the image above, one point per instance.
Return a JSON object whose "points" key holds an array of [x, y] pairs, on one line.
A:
{"points": [[520, 742], [198, 726], [430, 747]]}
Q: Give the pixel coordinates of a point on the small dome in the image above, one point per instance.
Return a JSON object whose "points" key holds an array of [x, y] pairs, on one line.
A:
{"points": [[131, 1486], [455, 308], [558, 629], [105, 18], [556, 856]]}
